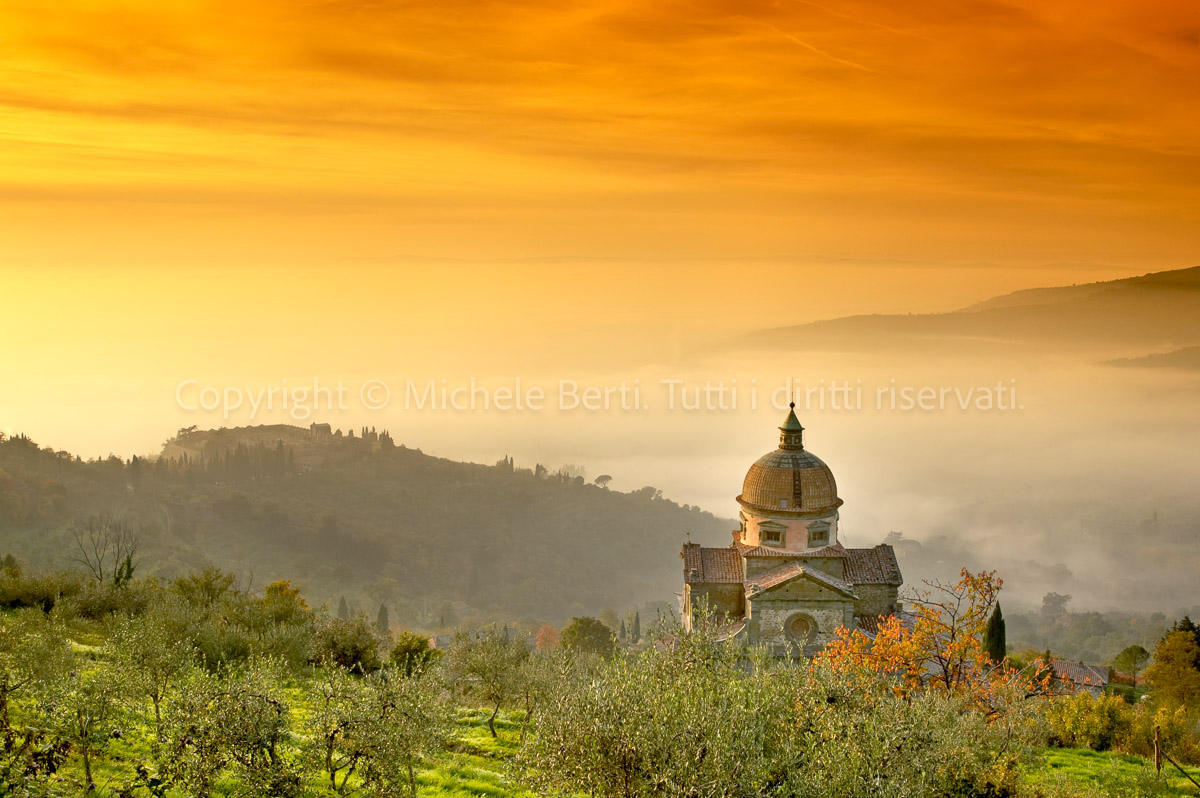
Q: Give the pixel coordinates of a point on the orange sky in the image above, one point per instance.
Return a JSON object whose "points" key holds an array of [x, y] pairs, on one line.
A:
{"points": [[544, 169], [1040, 131]]}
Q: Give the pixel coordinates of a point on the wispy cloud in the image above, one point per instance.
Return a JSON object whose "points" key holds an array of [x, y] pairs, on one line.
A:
{"points": [[984, 110]]}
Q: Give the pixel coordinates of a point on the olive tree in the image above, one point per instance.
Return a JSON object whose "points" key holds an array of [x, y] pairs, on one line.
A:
{"points": [[235, 721], [87, 711], [152, 651], [486, 666], [695, 716], [367, 734], [34, 657]]}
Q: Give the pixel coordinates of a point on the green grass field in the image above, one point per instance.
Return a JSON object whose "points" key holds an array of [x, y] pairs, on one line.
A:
{"points": [[1116, 774]]}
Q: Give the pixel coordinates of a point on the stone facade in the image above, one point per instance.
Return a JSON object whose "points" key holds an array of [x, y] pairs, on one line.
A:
{"points": [[727, 601], [786, 581], [877, 600], [773, 613]]}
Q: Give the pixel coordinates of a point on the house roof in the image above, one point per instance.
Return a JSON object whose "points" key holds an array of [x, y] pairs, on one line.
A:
{"points": [[702, 565], [1080, 674], [870, 624], [836, 550], [786, 573], [876, 566]]}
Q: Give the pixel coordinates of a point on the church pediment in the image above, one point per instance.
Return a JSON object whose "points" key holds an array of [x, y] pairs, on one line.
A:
{"points": [[778, 578]]}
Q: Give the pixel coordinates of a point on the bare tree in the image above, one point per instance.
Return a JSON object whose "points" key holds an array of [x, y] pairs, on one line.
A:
{"points": [[107, 548]]}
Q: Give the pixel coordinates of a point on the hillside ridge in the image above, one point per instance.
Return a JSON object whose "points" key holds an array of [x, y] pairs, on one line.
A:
{"points": [[1121, 317], [430, 537]]}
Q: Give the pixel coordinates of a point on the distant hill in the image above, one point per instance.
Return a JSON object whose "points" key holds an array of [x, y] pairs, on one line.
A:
{"points": [[1185, 359], [432, 538], [1151, 311]]}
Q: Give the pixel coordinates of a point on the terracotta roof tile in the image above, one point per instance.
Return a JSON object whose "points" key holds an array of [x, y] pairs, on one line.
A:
{"points": [[836, 550], [1080, 674], [790, 481], [875, 566], [869, 624], [702, 565]]}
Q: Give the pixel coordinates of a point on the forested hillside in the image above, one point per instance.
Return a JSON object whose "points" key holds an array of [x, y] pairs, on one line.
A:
{"points": [[435, 540]]}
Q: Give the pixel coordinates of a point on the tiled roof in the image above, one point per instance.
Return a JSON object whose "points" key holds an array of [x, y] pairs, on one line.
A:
{"points": [[1080, 674], [784, 573], [869, 624], [790, 482], [732, 630], [836, 550], [875, 566], [702, 565]]}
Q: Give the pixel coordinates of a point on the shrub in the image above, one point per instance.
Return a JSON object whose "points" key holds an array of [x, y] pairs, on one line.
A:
{"points": [[412, 653], [42, 591], [97, 601], [284, 604], [589, 636], [352, 644], [1179, 733], [1085, 721], [1101, 724], [221, 644], [204, 588], [289, 644]]}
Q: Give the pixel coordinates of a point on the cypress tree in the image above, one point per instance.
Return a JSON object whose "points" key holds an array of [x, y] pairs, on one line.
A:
{"points": [[381, 621], [622, 632], [343, 610], [994, 642], [637, 628]]}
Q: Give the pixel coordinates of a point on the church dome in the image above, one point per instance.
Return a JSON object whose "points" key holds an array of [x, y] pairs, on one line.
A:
{"points": [[790, 480]]}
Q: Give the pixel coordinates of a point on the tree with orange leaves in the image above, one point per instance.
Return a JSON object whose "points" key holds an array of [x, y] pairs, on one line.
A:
{"points": [[938, 647], [547, 638]]}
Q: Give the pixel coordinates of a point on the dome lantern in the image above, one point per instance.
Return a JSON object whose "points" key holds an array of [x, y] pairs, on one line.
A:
{"points": [[790, 481], [791, 434]]}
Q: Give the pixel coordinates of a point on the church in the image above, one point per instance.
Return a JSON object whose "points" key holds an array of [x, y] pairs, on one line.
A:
{"points": [[786, 581]]}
